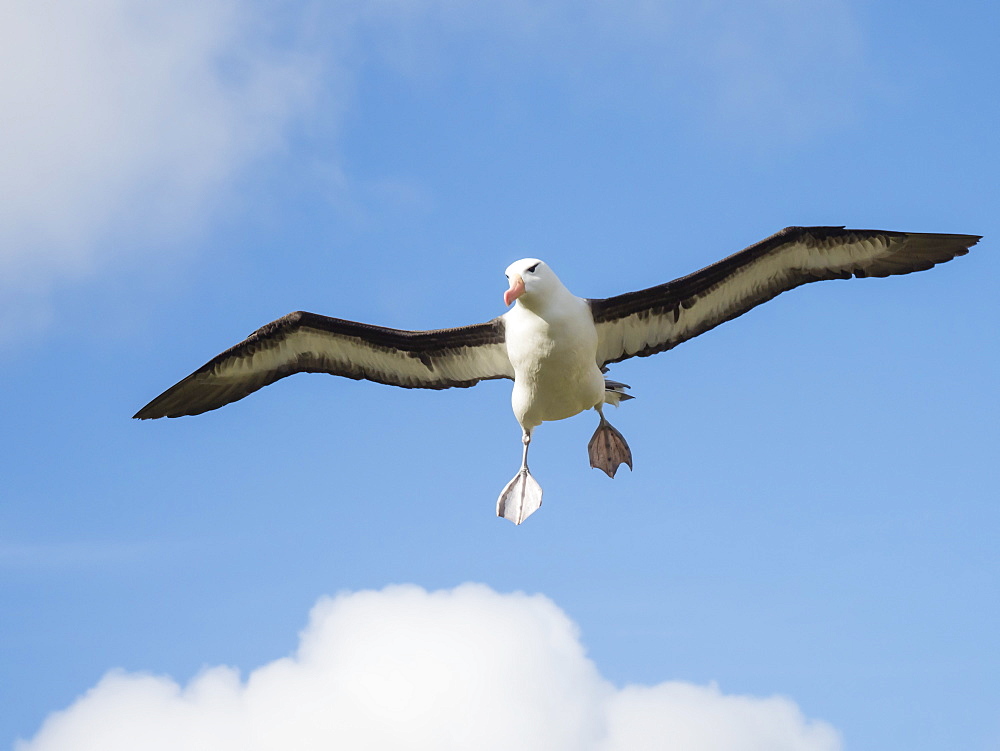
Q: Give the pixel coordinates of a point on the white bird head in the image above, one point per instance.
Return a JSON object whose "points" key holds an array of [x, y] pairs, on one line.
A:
{"points": [[530, 280]]}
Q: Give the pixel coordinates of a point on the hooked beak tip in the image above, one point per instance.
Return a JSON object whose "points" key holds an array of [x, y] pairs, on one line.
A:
{"points": [[515, 291]]}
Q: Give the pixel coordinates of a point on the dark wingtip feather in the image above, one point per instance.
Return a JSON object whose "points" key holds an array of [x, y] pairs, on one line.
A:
{"points": [[179, 400], [921, 251]]}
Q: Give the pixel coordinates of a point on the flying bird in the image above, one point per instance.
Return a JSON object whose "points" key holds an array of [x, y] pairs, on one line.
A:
{"points": [[554, 345]]}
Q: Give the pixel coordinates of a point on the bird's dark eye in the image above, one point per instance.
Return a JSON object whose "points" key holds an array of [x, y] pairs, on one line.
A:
{"points": [[531, 270]]}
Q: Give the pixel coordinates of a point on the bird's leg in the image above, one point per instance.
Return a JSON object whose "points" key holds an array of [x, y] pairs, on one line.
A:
{"points": [[607, 447], [522, 496]]}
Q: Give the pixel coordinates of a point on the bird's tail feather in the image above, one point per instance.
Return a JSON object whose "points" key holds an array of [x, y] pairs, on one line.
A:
{"points": [[614, 392]]}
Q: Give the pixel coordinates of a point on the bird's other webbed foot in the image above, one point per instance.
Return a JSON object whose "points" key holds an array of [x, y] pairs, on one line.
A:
{"points": [[608, 449], [520, 498]]}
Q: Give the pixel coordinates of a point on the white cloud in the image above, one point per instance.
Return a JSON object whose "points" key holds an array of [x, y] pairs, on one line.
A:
{"points": [[403, 668], [128, 113]]}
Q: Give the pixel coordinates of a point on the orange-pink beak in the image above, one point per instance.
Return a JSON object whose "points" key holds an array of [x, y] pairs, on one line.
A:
{"points": [[515, 291]]}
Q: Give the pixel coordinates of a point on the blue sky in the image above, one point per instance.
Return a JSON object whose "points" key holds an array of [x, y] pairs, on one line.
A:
{"points": [[806, 554]]}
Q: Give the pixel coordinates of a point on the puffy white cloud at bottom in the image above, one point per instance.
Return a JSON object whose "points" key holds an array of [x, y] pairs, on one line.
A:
{"points": [[403, 668]]}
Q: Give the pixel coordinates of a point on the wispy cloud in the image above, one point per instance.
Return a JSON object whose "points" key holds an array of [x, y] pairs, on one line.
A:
{"points": [[124, 124], [747, 69], [406, 668], [120, 114]]}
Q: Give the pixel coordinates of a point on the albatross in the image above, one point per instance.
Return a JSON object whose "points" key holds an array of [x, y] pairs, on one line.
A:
{"points": [[554, 345]]}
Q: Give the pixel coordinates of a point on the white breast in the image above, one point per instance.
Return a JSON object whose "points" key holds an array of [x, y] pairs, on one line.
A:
{"points": [[554, 354]]}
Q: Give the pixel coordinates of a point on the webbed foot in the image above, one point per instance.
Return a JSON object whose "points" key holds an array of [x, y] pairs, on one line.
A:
{"points": [[520, 498], [608, 449]]}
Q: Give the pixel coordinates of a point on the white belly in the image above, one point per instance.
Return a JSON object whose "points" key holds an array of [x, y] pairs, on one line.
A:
{"points": [[555, 364]]}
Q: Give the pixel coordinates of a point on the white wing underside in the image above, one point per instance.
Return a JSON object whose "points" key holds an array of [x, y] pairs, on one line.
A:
{"points": [[359, 358]]}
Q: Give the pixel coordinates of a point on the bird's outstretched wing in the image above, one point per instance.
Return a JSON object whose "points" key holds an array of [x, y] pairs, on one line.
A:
{"points": [[309, 343], [642, 323]]}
